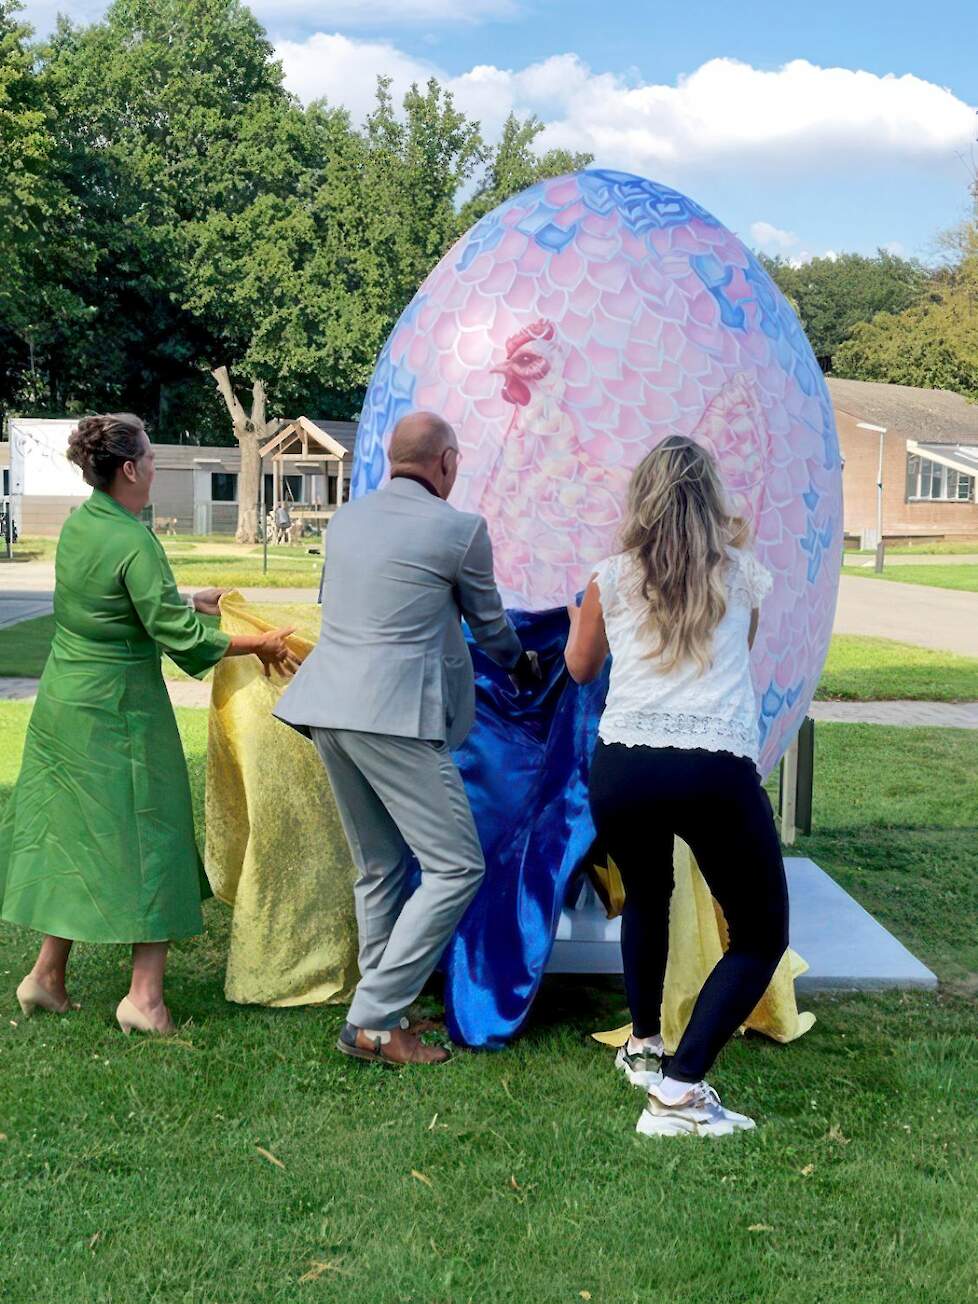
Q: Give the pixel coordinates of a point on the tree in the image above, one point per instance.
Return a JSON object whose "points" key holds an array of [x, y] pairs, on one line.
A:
{"points": [[35, 211], [167, 110], [934, 344], [249, 431], [832, 295], [215, 226], [512, 166]]}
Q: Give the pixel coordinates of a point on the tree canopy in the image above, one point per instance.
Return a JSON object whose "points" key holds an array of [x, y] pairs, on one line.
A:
{"points": [[933, 344], [832, 295], [176, 209]]}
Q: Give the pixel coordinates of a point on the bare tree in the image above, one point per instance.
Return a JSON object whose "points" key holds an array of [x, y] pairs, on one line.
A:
{"points": [[250, 432]]}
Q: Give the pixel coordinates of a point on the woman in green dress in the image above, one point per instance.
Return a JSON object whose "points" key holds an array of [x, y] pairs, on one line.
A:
{"points": [[97, 844]]}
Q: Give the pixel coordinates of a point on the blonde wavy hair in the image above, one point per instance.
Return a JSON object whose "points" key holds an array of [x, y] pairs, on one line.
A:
{"points": [[677, 528]]}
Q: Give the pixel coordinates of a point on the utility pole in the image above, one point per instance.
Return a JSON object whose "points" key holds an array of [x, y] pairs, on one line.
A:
{"points": [[880, 547]]}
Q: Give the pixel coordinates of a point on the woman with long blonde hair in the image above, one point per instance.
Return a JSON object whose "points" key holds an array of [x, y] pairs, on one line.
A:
{"points": [[677, 608]]}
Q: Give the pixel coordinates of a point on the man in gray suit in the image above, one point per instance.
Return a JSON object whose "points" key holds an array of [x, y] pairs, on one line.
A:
{"points": [[386, 693]]}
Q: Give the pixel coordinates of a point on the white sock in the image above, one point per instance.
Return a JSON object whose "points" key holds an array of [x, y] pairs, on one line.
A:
{"points": [[671, 1091], [653, 1044]]}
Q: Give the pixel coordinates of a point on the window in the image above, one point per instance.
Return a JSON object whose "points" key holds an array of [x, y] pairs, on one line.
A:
{"points": [[224, 487], [927, 479]]}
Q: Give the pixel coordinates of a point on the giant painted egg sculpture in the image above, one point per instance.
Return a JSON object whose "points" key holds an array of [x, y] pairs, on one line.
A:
{"points": [[570, 331]]}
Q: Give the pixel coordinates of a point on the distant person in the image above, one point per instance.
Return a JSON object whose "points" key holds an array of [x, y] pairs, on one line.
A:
{"points": [[677, 608], [386, 692], [97, 843]]}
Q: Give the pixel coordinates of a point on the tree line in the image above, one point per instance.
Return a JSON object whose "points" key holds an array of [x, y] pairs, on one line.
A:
{"points": [[168, 209]]}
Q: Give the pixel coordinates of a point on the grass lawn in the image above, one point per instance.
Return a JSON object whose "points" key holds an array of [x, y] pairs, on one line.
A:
{"points": [[198, 571], [132, 1170], [963, 576], [862, 669]]}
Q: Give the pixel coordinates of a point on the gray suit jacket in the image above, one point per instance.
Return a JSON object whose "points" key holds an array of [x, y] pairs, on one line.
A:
{"points": [[402, 566]]}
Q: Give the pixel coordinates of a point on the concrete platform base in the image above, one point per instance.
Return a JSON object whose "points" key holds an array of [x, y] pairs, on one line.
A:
{"points": [[846, 948]]}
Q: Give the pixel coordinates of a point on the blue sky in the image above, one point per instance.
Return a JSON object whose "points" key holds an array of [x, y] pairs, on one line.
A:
{"points": [[845, 124]]}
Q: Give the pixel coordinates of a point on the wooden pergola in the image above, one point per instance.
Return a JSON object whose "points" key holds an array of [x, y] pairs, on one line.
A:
{"points": [[297, 447]]}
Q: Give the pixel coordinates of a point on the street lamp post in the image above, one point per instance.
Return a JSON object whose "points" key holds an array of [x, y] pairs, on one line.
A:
{"points": [[881, 431]]}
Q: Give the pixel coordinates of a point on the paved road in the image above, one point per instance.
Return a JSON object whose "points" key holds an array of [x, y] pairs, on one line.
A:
{"points": [[945, 619]]}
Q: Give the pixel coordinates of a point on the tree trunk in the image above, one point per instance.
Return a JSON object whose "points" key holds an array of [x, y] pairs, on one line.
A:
{"points": [[248, 486], [250, 432]]}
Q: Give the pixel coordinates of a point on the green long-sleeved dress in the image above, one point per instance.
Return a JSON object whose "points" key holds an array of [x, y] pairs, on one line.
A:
{"points": [[97, 843]]}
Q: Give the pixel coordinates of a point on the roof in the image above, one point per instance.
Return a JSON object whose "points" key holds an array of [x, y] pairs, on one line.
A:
{"points": [[959, 457], [935, 415], [345, 432], [298, 434]]}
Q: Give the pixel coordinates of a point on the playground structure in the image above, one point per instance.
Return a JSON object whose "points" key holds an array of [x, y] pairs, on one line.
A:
{"points": [[300, 446]]}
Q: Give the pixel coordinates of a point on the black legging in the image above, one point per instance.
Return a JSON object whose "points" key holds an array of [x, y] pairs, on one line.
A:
{"points": [[640, 798]]}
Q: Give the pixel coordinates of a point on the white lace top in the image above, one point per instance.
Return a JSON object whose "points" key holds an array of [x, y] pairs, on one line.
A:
{"points": [[715, 710]]}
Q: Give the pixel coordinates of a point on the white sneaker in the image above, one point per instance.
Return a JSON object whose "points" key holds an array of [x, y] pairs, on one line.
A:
{"points": [[698, 1113], [642, 1067]]}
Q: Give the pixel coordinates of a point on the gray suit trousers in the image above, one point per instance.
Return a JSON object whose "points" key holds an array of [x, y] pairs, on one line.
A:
{"points": [[396, 796]]}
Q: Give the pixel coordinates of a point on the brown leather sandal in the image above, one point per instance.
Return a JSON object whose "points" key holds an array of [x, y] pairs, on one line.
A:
{"points": [[399, 1049]]}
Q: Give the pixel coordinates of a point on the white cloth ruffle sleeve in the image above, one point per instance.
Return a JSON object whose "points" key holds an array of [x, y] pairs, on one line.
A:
{"points": [[757, 578]]}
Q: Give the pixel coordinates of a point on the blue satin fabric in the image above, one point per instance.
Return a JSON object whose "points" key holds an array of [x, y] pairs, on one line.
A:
{"points": [[525, 766]]}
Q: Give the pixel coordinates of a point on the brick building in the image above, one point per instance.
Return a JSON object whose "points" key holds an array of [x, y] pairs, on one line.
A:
{"points": [[930, 460]]}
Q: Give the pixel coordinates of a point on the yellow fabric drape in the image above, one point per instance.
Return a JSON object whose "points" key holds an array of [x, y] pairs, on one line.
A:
{"points": [[275, 850], [275, 853]]}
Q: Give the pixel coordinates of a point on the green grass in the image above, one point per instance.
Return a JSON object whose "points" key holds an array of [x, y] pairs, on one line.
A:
{"points": [[862, 669], [200, 571], [131, 1171], [964, 576]]}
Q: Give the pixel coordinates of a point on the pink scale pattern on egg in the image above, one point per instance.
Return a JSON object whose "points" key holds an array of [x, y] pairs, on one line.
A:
{"points": [[565, 335]]}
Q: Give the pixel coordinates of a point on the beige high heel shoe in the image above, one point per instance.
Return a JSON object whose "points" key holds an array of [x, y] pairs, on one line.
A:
{"points": [[32, 995], [130, 1017]]}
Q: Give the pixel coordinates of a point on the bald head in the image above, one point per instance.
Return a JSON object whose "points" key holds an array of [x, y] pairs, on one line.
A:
{"points": [[420, 438], [424, 445]]}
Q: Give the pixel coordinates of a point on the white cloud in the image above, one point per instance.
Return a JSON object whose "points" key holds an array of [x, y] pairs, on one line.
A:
{"points": [[346, 71], [771, 238], [896, 248], [806, 256], [725, 116], [379, 13]]}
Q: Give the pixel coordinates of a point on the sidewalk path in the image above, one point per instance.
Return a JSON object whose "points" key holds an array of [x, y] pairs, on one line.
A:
{"points": [[15, 607], [183, 692], [949, 715]]}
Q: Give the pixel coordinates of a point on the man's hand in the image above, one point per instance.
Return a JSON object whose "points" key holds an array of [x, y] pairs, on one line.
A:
{"points": [[207, 601], [526, 672]]}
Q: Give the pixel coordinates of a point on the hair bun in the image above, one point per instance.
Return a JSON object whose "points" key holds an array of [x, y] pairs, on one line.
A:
{"points": [[98, 445], [85, 439]]}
